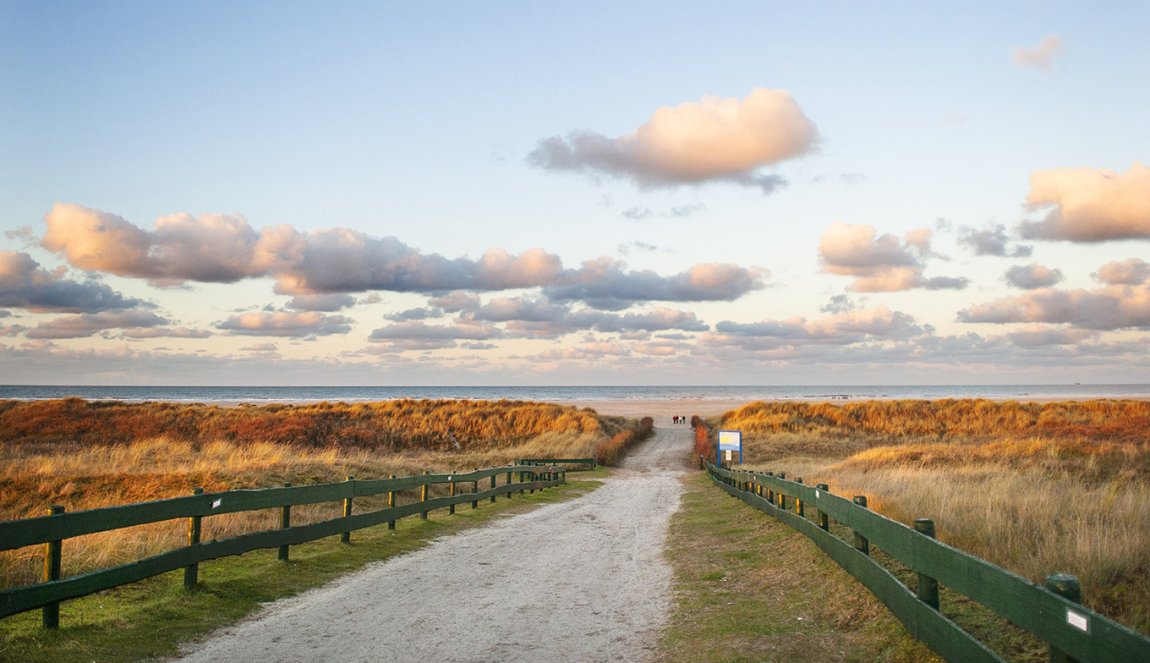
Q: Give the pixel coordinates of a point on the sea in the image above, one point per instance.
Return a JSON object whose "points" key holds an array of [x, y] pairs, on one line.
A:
{"points": [[305, 394]]}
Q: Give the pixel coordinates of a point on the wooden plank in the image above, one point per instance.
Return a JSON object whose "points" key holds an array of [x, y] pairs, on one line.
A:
{"points": [[1024, 603], [932, 628]]}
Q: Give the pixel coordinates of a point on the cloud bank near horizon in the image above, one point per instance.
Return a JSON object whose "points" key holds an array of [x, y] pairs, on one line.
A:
{"points": [[320, 269]]}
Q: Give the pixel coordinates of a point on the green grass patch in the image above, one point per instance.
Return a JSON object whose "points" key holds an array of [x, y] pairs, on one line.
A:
{"points": [[748, 588], [149, 619]]}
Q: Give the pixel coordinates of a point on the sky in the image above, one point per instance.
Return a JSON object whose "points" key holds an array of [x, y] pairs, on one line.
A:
{"points": [[606, 193]]}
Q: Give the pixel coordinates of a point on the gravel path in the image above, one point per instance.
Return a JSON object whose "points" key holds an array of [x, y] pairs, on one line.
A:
{"points": [[583, 580]]}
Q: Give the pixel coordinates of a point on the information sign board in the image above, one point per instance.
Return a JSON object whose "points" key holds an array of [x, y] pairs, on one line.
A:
{"points": [[731, 441]]}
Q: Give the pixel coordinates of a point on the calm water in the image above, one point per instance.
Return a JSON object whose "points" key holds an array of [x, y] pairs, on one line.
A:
{"points": [[743, 393]]}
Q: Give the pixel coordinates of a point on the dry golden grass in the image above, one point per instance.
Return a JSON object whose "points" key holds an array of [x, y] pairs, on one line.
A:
{"points": [[38, 469], [1116, 420], [1034, 488], [392, 425]]}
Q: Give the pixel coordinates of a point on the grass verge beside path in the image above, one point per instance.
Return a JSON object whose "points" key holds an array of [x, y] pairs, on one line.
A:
{"points": [[149, 619], [748, 588]]}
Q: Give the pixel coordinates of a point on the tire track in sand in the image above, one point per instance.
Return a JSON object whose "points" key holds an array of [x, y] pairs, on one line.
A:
{"points": [[583, 580]]}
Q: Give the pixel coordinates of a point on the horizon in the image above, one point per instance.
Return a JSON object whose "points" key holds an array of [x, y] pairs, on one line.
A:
{"points": [[584, 196]]}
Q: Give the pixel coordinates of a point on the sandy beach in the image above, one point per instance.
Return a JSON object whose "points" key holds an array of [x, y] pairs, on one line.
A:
{"points": [[660, 410]]}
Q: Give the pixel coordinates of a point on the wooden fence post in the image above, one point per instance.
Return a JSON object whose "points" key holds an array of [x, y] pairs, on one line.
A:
{"points": [[927, 586], [285, 523], [391, 505], [345, 537], [799, 508], [861, 543], [53, 554], [1068, 587], [424, 493], [509, 491], [451, 489], [782, 495], [192, 571], [475, 489], [493, 488], [771, 491], [824, 521]]}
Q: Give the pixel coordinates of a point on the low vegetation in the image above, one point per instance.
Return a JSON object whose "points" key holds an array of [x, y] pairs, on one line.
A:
{"points": [[398, 425], [84, 455], [1034, 488], [749, 588], [611, 450]]}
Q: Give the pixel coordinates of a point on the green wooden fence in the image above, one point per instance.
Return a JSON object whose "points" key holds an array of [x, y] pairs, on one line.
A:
{"points": [[578, 463], [53, 530], [1075, 633]]}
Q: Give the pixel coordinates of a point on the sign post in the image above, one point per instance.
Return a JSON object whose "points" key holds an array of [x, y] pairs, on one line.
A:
{"points": [[730, 441]]}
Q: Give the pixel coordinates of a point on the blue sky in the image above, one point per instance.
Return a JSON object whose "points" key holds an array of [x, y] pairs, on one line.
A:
{"points": [[609, 161]]}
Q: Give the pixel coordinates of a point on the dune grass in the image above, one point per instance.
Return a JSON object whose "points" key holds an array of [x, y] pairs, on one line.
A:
{"points": [[1034, 488], [106, 466]]}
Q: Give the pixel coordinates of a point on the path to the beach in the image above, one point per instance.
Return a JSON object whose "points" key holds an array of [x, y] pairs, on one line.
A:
{"points": [[583, 580]]}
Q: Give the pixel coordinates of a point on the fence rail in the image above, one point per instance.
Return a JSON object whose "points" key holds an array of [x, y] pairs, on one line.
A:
{"points": [[1073, 631], [586, 463], [52, 530]]}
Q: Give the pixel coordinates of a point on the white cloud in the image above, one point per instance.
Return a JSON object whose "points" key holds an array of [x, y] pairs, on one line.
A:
{"points": [[84, 325], [295, 324], [714, 139], [24, 284], [1108, 308], [1041, 56], [1133, 271], [881, 263], [1032, 276], [1089, 204]]}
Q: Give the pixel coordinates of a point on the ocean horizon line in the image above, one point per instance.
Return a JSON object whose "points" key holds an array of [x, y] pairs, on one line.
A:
{"points": [[566, 393]]}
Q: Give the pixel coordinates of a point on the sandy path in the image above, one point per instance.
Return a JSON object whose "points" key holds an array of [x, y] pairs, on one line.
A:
{"points": [[579, 581]]}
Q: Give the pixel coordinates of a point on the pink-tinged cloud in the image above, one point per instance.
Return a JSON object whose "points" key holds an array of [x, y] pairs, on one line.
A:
{"points": [[993, 241], [714, 139], [1041, 56], [416, 335], [606, 284], [1032, 276], [1133, 271], [1089, 204], [165, 332], [846, 328], [1039, 336], [881, 263], [320, 269], [87, 324], [1111, 307], [24, 284], [296, 324], [213, 248]]}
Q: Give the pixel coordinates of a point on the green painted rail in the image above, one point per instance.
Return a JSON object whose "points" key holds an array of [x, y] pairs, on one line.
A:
{"points": [[53, 530], [588, 463], [1073, 631]]}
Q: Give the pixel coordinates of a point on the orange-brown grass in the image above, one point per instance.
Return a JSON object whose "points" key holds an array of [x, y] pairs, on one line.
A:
{"points": [[392, 425], [40, 470], [1118, 420], [1068, 492], [611, 450]]}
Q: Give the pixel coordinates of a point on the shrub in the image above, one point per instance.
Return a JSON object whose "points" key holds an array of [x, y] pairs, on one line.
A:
{"points": [[611, 450]]}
